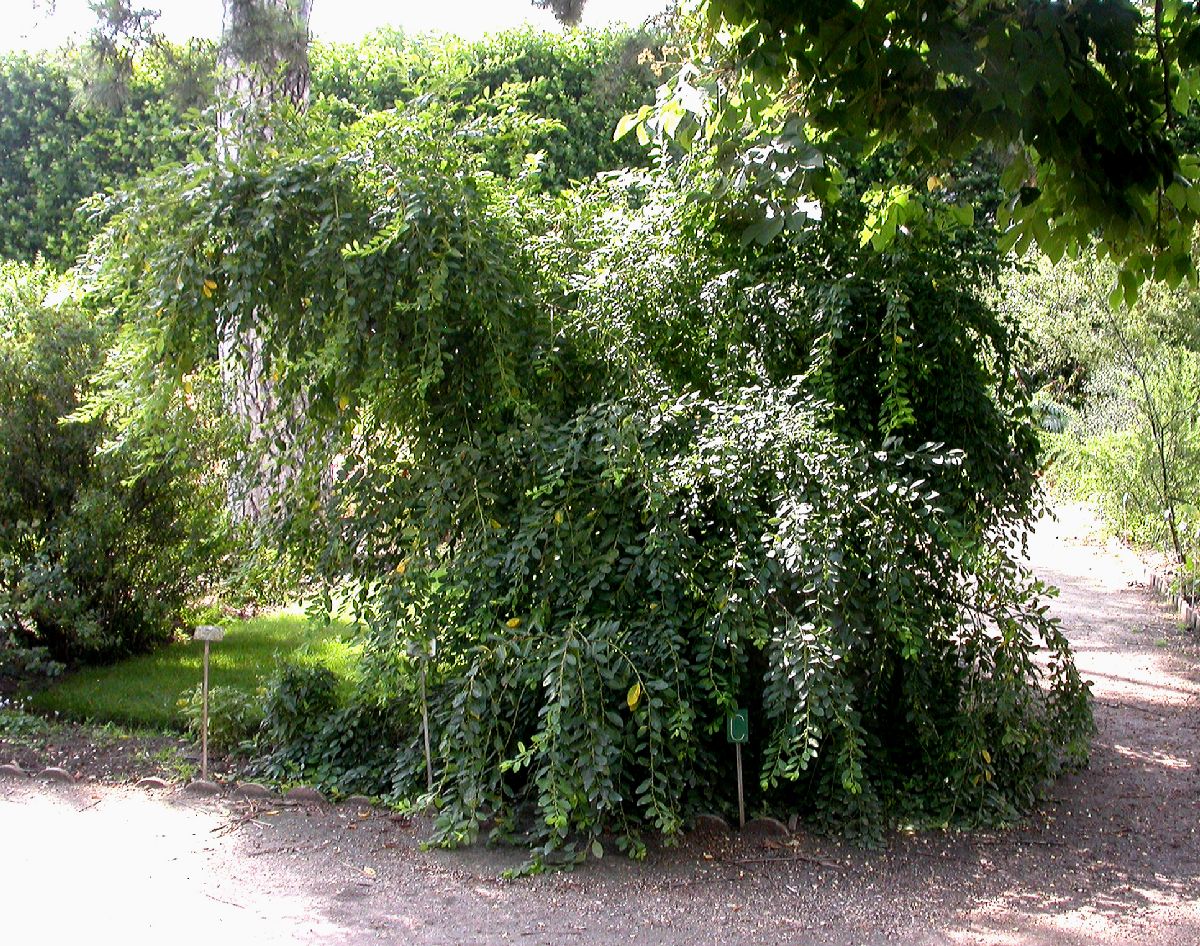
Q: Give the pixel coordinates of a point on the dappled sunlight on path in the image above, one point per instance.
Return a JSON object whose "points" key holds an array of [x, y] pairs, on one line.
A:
{"points": [[1123, 833]]}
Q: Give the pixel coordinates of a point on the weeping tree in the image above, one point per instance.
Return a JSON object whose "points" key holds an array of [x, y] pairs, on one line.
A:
{"points": [[592, 543], [610, 464]]}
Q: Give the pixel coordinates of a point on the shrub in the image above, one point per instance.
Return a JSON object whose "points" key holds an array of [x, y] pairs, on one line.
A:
{"points": [[598, 556], [98, 553], [234, 716], [344, 740]]}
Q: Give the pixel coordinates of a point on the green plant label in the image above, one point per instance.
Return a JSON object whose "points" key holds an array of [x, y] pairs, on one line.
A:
{"points": [[737, 726]]}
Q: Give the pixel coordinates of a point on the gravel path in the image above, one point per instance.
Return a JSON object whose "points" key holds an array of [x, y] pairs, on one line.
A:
{"points": [[1112, 859]]}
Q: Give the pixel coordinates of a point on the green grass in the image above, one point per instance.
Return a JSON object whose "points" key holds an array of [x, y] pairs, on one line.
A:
{"points": [[144, 690]]}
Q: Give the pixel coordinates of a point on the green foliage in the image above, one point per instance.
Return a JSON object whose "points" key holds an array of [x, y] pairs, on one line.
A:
{"points": [[717, 554], [143, 690], [234, 716], [19, 726], [1079, 101], [901, 343], [1119, 390], [56, 151], [1135, 449], [346, 740], [96, 560], [586, 541], [90, 120], [580, 82]]}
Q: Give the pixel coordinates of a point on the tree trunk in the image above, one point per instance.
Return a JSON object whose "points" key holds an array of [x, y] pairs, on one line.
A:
{"points": [[263, 65]]}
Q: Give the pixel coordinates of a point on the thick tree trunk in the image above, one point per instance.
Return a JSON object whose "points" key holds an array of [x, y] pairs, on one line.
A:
{"points": [[264, 65]]}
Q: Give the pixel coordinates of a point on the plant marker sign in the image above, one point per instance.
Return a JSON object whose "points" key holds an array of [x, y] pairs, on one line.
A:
{"points": [[207, 633], [737, 731]]}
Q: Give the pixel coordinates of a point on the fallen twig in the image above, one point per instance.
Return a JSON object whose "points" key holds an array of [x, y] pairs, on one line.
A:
{"points": [[235, 823], [229, 902], [1033, 841], [767, 859], [289, 849]]}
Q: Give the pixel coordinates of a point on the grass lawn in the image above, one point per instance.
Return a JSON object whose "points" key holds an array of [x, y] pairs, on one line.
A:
{"points": [[143, 691]]}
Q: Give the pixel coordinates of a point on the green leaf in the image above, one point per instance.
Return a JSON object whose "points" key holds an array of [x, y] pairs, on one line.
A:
{"points": [[627, 123]]}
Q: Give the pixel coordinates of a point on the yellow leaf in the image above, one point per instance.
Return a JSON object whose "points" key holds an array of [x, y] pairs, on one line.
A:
{"points": [[210, 285], [634, 696], [899, 340], [207, 292], [514, 623], [987, 757], [343, 402], [495, 525], [402, 567], [558, 517], [933, 183]]}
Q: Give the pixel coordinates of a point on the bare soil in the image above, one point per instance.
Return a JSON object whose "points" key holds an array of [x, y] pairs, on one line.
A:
{"points": [[1113, 857]]}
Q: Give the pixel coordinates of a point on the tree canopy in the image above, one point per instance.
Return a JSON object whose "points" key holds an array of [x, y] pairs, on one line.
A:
{"points": [[1080, 103]]}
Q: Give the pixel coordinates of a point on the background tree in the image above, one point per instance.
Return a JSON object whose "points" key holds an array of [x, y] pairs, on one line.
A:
{"points": [[263, 70]]}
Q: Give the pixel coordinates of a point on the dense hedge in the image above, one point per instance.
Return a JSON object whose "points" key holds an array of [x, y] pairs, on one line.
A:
{"points": [[582, 82], [56, 149]]}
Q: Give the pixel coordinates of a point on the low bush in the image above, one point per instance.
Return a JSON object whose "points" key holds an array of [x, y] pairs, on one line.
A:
{"points": [[234, 716], [345, 739], [99, 551]]}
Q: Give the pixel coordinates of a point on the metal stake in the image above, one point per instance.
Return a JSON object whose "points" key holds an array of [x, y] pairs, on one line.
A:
{"points": [[206, 633], [741, 787], [204, 721], [425, 727]]}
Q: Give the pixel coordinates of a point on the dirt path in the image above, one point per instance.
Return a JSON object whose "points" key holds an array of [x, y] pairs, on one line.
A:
{"points": [[1113, 859]]}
